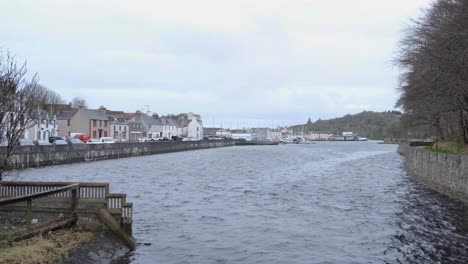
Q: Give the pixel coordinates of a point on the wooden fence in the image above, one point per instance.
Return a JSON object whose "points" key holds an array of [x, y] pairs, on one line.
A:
{"points": [[85, 193]]}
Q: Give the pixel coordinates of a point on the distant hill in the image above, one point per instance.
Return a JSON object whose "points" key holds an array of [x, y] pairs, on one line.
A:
{"points": [[373, 125]]}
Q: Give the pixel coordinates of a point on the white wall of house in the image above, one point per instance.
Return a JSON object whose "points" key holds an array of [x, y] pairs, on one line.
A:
{"points": [[195, 129], [155, 131], [273, 135], [120, 132], [42, 129], [169, 130], [314, 136]]}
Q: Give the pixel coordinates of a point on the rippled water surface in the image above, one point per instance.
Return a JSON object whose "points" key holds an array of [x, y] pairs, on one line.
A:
{"points": [[330, 202]]}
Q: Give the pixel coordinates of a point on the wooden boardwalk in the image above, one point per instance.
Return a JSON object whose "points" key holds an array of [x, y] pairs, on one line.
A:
{"points": [[86, 203]]}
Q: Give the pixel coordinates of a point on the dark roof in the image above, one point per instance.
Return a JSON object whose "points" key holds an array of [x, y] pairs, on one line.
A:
{"points": [[168, 122], [184, 122], [65, 115], [95, 114], [151, 120]]}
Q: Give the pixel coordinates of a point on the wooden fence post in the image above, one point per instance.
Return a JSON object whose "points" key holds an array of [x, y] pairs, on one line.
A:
{"points": [[28, 213], [74, 201]]}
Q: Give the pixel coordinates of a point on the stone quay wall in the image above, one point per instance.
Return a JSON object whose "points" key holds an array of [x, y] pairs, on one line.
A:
{"points": [[37, 156], [444, 173]]}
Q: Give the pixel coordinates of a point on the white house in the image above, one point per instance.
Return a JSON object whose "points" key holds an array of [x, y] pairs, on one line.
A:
{"points": [[41, 129], [273, 134], [187, 125], [161, 127], [169, 128], [119, 129], [195, 129], [318, 136]]}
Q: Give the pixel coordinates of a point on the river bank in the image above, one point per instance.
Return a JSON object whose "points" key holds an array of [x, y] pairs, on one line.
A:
{"points": [[66, 246], [443, 172], [39, 156]]}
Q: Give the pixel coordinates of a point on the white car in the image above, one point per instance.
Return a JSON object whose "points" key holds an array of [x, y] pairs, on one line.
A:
{"points": [[60, 142], [26, 142], [94, 141], [190, 139], [107, 140]]}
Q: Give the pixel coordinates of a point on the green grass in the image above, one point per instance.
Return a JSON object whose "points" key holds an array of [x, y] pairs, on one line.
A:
{"points": [[439, 150], [446, 147]]}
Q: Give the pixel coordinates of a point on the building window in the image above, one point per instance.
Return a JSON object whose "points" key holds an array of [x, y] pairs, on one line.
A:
{"points": [[94, 123], [94, 134], [105, 132], [68, 122], [120, 128], [105, 123], [100, 123], [115, 128]]}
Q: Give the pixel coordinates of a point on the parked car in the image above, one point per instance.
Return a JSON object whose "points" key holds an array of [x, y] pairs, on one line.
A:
{"points": [[94, 141], [26, 142], [190, 139], [42, 142], [75, 141], [144, 139], [213, 138], [176, 138], [60, 142], [164, 139], [107, 140], [84, 138], [52, 139]]}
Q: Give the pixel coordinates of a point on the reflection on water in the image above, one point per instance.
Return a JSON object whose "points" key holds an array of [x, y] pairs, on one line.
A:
{"points": [[331, 202]]}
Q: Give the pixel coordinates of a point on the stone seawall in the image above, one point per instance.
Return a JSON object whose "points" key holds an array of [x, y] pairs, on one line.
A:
{"points": [[37, 156], [444, 173]]}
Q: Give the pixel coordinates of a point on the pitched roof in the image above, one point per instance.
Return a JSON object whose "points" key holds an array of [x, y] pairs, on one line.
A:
{"points": [[151, 120], [95, 114], [65, 115], [183, 122], [168, 122]]}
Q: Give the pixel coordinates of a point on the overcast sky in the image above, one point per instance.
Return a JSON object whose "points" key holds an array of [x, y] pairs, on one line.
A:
{"points": [[243, 63]]}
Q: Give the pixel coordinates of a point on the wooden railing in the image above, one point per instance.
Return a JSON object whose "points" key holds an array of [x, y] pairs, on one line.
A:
{"points": [[86, 190], [71, 189]]}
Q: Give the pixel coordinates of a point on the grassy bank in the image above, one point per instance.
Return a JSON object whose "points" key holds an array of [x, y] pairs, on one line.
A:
{"points": [[449, 147], [45, 249]]}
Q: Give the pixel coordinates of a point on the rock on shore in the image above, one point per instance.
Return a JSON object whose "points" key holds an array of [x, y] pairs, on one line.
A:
{"points": [[103, 248]]}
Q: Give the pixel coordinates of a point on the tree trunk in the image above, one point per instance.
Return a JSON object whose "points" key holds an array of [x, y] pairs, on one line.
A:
{"points": [[439, 128], [464, 126]]}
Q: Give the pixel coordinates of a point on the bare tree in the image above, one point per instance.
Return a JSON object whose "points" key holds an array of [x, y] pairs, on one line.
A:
{"points": [[434, 58], [20, 101], [52, 99], [78, 101]]}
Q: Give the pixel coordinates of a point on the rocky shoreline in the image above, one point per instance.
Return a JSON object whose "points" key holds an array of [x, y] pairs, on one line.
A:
{"points": [[104, 248]]}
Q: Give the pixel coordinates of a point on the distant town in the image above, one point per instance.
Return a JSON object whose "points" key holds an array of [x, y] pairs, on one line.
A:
{"points": [[67, 122]]}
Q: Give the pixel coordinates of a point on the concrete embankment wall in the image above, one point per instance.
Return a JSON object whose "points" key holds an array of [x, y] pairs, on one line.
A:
{"points": [[35, 156], [444, 173]]}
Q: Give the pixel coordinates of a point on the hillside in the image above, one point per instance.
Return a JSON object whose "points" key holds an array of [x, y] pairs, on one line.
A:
{"points": [[374, 125]]}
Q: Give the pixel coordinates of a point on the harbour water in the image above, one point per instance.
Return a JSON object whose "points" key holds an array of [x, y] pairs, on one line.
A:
{"points": [[330, 202]]}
